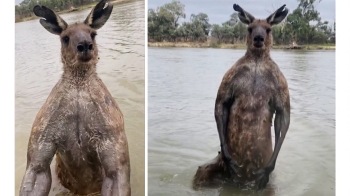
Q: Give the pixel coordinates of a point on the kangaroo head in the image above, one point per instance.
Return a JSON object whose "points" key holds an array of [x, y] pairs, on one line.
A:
{"points": [[78, 44]]}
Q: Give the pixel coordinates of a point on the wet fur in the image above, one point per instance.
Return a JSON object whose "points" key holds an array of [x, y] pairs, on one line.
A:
{"points": [[211, 174], [82, 124], [252, 91]]}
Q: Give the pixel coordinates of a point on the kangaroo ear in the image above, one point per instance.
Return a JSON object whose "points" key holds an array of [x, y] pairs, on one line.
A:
{"points": [[50, 20], [278, 15], [244, 16], [99, 15]]}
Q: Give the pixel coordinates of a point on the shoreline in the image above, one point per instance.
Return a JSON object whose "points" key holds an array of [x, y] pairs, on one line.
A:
{"points": [[233, 46], [80, 8]]}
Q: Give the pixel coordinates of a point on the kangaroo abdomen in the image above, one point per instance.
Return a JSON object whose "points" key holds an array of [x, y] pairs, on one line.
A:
{"points": [[249, 135]]}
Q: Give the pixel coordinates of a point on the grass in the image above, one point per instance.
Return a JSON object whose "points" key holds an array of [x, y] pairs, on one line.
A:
{"points": [[233, 46], [80, 8]]}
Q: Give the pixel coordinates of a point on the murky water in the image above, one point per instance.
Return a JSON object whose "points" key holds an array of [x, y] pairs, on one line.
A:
{"points": [[121, 68], [182, 133]]}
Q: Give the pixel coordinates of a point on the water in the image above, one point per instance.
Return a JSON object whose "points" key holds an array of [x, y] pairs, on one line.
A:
{"points": [[121, 68], [182, 133]]}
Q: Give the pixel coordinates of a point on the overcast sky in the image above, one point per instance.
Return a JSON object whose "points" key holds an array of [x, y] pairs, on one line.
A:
{"points": [[219, 11]]}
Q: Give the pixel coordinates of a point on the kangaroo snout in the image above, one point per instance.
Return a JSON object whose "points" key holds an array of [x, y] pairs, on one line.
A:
{"points": [[258, 38], [85, 46], [258, 41]]}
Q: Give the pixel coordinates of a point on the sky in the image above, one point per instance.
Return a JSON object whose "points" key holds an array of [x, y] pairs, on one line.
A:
{"points": [[219, 11]]}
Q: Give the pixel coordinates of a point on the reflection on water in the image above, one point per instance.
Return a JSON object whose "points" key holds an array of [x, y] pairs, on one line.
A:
{"points": [[121, 68], [182, 133]]}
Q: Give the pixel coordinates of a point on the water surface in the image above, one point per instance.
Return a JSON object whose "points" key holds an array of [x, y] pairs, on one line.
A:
{"points": [[121, 68], [182, 135]]}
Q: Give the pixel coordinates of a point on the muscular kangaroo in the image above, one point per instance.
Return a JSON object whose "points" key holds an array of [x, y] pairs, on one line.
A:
{"points": [[80, 121], [251, 92]]}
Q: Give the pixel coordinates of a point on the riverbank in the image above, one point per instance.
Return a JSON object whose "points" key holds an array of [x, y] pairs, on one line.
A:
{"points": [[80, 8], [232, 46]]}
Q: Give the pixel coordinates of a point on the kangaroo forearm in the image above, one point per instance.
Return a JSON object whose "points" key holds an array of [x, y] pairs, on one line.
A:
{"points": [[277, 126], [282, 125], [36, 184], [221, 116], [116, 187]]}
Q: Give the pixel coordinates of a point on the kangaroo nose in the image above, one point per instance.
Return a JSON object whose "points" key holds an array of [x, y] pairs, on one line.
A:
{"points": [[85, 46], [258, 38]]}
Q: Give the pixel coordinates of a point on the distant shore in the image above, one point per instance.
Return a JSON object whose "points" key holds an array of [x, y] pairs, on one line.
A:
{"points": [[233, 46], [79, 8]]}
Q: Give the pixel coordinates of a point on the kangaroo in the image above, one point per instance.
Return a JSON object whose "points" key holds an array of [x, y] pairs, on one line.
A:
{"points": [[80, 121], [251, 92]]}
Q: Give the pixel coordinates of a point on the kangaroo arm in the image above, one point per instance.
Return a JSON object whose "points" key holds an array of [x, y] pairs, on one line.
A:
{"points": [[282, 120], [36, 182]]}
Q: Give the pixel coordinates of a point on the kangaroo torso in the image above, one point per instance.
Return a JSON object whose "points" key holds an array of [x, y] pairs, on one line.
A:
{"points": [[84, 116], [250, 119]]}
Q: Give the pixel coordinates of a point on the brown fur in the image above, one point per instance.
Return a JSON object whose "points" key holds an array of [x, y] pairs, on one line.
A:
{"points": [[211, 173], [251, 91], [81, 123]]}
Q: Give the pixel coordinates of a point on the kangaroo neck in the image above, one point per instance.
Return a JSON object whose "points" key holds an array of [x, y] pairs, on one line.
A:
{"points": [[79, 72], [257, 54]]}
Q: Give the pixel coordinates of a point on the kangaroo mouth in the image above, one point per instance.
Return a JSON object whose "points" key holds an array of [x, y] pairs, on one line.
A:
{"points": [[84, 57], [258, 44]]}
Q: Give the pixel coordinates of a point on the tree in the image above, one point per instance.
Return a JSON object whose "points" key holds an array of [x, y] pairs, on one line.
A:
{"points": [[176, 9], [202, 19], [216, 32], [303, 25], [233, 20], [299, 22], [230, 31]]}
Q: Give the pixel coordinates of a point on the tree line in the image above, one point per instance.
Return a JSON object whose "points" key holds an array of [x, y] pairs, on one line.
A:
{"points": [[25, 8], [303, 25]]}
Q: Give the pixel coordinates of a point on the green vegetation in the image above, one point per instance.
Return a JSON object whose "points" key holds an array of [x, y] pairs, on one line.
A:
{"points": [[303, 25], [24, 11]]}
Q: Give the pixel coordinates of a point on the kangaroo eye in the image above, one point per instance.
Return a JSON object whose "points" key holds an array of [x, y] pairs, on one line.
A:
{"points": [[250, 29], [65, 39], [268, 30], [93, 35]]}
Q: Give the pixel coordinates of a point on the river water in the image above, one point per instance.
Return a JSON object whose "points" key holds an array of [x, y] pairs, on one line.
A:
{"points": [[121, 68], [182, 135]]}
